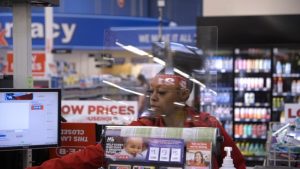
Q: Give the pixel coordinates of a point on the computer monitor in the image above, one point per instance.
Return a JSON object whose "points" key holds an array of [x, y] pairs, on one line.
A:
{"points": [[29, 118]]}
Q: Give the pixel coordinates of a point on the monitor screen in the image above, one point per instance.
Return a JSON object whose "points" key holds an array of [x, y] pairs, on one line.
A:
{"points": [[29, 118]]}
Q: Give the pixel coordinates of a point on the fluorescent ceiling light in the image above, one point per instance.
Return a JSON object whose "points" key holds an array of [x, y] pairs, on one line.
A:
{"points": [[155, 59], [122, 88], [109, 99], [193, 80], [123, 103], [136, 50], [179, 104], [197, 82], [214, 92], [159, 61], [105, 98], [181, 73]]}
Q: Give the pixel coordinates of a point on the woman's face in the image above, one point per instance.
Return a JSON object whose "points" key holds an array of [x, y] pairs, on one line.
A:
{"points": [[198, 157], [165, 90], [162, 99]]}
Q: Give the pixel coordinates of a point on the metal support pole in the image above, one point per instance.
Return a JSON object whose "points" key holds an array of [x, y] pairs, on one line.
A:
{"points": [[22, 45], [160, 4], [160, 11], [169, 69], [22, 56], [49, 41]]}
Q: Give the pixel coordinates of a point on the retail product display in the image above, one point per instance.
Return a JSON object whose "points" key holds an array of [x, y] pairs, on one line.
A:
{"points": [[252, 100], [286, 79], [283, 144], [29, 118], [93, 87], [156, 147], [79, 87], [252, 149], [3, 60], [216, 98], [198, 154], [251, 93], [139, 149], [257, 131], [242, 102]]}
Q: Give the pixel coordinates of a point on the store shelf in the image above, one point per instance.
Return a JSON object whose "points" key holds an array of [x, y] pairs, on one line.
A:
{"points": [[252, 101], [250, 66], [217, 75], [224, 119], [66, 87], [252, 52], [292, 75], [241, 104], [214, 104], [95, 91], [252, 90], [251, 120], [224, 89], [283, 94], [286, 76], [249, 72], [254, 158], [214, 71], [249, 138], [278, 109]]}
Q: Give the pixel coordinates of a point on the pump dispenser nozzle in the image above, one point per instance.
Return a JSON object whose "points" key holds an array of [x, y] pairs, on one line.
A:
{"points": [[227, 161], [228, 150]]}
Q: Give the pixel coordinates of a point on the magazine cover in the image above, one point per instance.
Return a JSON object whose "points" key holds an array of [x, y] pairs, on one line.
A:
{"points": [[126, 148], [160, 147], [138, 149], [119, 166], [143, 167], [198, 155]]}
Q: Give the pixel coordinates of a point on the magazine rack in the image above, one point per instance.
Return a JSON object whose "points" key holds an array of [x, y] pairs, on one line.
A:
{"points": [[166, 147], [282, 149]]}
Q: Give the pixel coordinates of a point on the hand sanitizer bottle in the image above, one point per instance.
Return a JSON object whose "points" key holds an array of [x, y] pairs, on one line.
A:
{"points": [[227, 161]]}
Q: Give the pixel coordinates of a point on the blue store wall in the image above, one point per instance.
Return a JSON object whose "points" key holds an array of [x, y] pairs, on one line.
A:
{"points": [[183, 12]]}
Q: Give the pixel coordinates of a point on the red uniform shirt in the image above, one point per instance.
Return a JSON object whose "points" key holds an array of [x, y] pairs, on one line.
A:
{"points": [[92, 157]]}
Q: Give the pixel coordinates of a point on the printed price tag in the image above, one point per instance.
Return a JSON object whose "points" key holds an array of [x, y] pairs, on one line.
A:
{"points": [[153, 153], [164, 154], [176, 155]]}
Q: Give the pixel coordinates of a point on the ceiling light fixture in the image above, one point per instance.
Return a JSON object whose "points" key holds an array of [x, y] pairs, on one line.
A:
{"points": [[181, 73], [179, 104], [197, 82]]}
